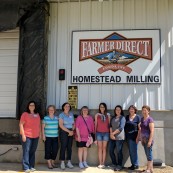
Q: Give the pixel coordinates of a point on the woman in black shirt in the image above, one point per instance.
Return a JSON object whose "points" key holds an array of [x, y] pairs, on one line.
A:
{"points": [[131, 131]]}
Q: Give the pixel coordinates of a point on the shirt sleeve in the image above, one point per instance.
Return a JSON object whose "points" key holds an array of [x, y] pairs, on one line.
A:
{"points": [[77, 123], [73, 117], [122, 124], [151, 120], [61, 116], [139, 119], [92, 124], [23, 117], [111, 122], [43, 121]]}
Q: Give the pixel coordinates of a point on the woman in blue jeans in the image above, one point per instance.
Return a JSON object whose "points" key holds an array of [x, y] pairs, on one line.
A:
{"points": [[117, 137], [131, 131], [146, 134], [30, 132]]}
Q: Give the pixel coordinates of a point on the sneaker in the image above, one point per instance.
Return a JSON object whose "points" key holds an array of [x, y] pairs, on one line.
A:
{"points": [[101, 166], [69, 165], [32, 169], [27, 171], [85, 164], [81, 165], [133, 167], [118, 168], [62, 166], [111, 166]]}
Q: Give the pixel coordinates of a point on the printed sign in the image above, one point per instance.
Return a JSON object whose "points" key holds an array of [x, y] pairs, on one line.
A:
{"points": [[73, 96], [116, 56]]}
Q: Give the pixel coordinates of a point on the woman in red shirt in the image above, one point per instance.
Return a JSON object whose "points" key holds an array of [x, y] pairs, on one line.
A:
{"points": [[29, 131], [102, 121]]}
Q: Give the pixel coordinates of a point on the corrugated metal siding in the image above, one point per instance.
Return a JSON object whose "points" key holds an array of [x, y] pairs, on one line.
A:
{"points": [[9, 45], [107, 15]]}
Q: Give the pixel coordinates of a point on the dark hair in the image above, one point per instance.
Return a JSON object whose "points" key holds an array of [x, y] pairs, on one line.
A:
{"points": [[104, 104], [53, 106], [64, 105], [122, 112], [27, 108], [146, 107], [134, 107], [84, 107]]}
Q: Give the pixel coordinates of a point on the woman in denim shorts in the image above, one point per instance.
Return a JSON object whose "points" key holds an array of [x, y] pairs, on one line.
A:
{"points": [[146, 132], [102, 121]]}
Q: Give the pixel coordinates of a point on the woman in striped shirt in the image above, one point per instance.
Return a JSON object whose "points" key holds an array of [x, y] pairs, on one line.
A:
{"points": [[50, 136]]}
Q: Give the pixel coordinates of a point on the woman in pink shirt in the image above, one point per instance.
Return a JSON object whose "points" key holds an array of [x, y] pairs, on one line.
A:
{"points": [[84, 122], [30, 132]]}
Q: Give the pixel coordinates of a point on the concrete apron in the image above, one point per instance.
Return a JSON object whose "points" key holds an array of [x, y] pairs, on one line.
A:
{"points": [[42, 168]]}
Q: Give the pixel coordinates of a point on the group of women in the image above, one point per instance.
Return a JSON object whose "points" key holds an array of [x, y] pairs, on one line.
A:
{"points": [[106, 129]]}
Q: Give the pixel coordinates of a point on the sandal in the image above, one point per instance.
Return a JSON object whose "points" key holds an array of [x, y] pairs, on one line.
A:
{"points": [[54, 166], [50, 166]]}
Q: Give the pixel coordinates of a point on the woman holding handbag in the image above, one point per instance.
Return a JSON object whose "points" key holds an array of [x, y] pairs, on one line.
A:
{"points": [[84, 127]]}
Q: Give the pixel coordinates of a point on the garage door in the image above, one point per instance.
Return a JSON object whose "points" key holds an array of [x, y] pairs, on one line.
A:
{"points": [[9, 47]]}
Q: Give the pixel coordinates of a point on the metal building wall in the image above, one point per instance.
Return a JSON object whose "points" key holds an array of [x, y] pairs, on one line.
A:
{"points": [[66, 17], [9, 45]]}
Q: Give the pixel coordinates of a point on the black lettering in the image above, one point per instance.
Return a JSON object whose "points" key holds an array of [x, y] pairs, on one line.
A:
{"points": [[92, 78], [87, 79], [142, 79], [112, 79], [106, 78], [156, 78], [80, 78], [118, 79], [75, 79], [129, 79], [97, 79], [101, 77]]}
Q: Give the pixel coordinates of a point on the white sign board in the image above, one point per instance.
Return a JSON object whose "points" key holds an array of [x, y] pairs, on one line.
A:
{"points": [[126, 56]]}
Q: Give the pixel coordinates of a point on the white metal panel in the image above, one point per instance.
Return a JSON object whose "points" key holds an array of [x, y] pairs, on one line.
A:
{"points": [[96, 18], [85, 16], [63, 60], [117, 14], [52, 54], [9, 44]]}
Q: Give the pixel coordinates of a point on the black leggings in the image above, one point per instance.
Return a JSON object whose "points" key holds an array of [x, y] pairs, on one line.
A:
{"points": [[66, 144], [51, 148]]}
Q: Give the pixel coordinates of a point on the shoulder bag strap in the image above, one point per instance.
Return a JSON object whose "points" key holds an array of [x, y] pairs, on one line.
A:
{"points": [[86, 125]]}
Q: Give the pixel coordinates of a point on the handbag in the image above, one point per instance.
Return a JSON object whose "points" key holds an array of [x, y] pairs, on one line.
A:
{"points": [[90, 138], [89, 141]]}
